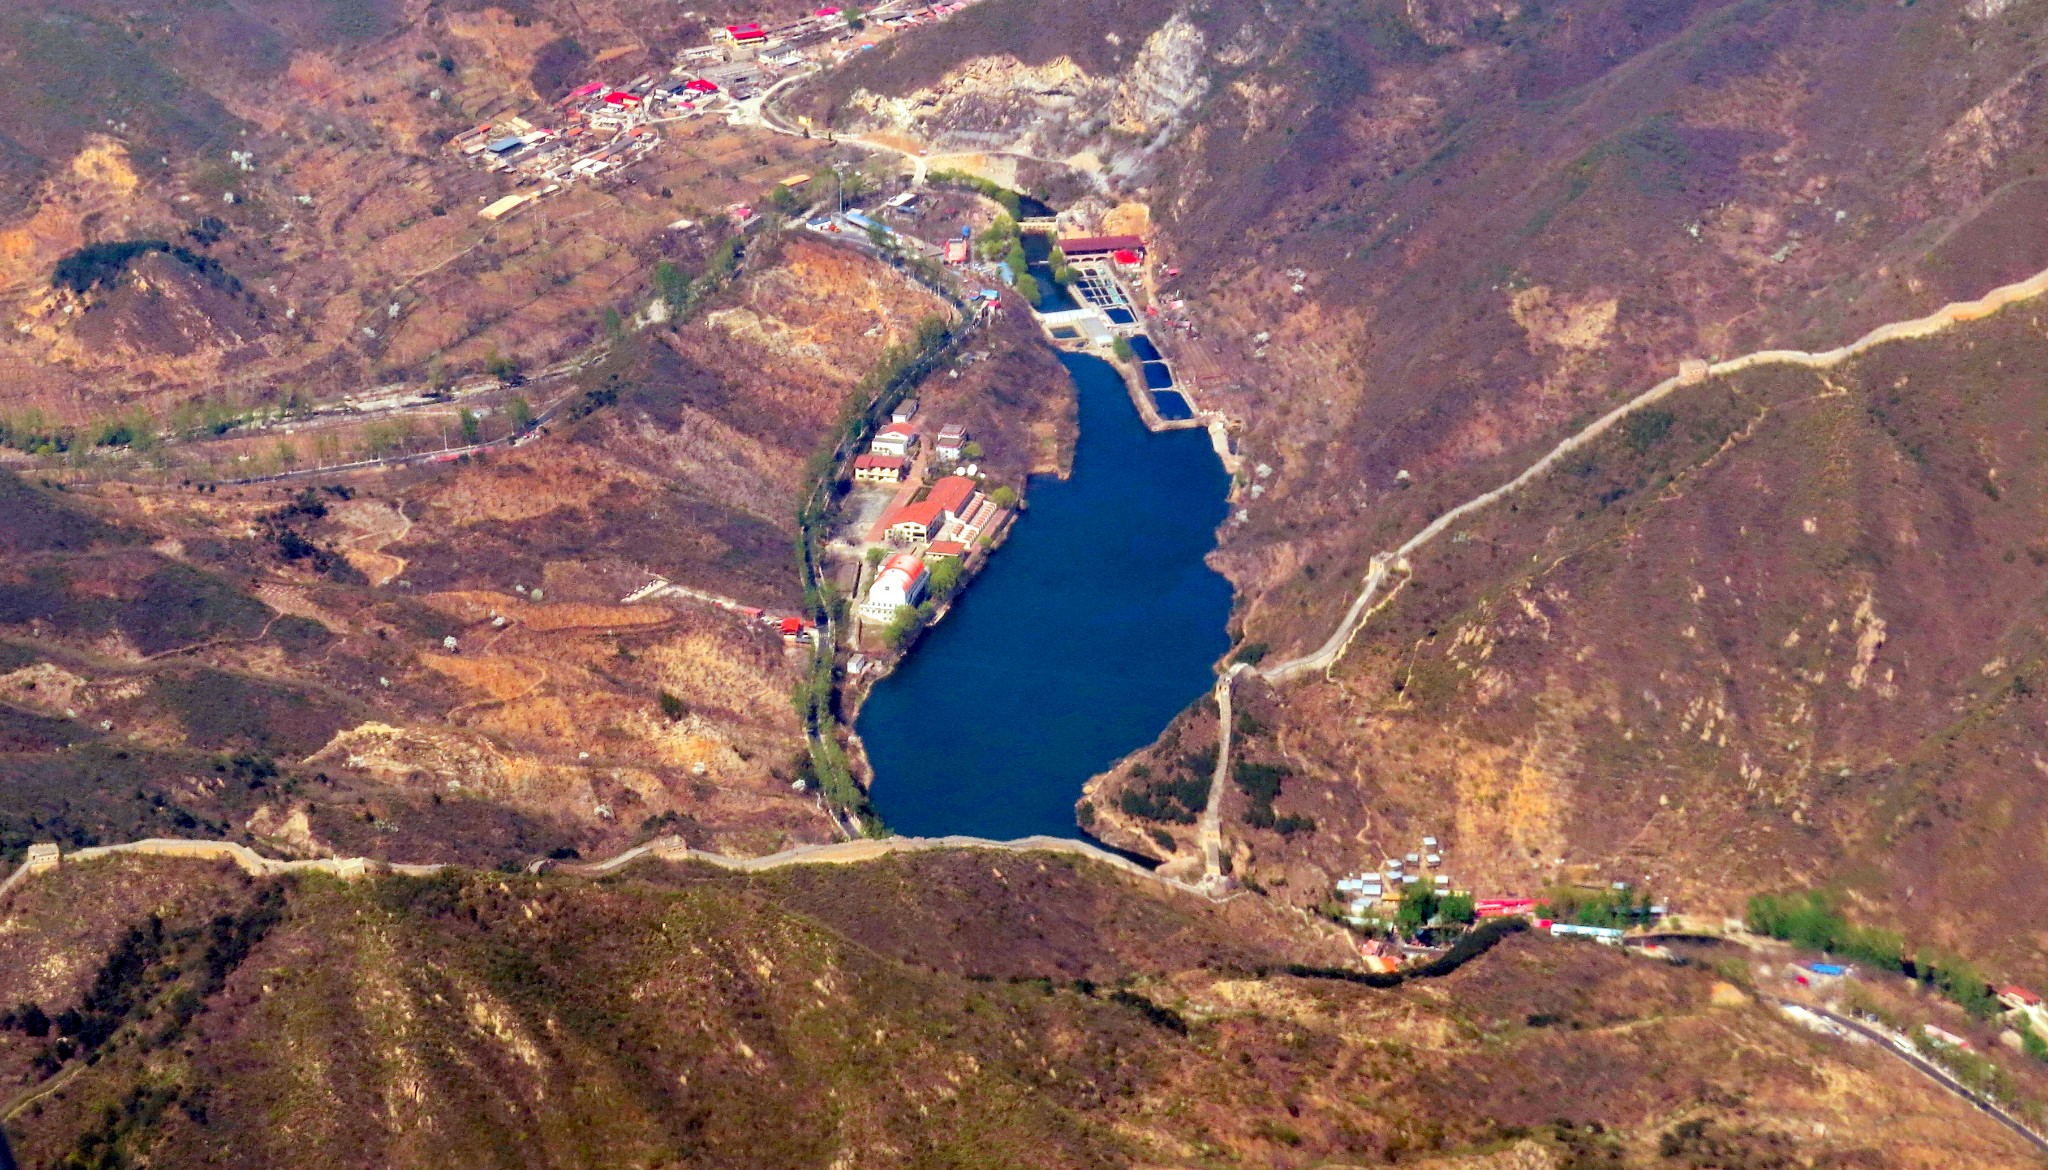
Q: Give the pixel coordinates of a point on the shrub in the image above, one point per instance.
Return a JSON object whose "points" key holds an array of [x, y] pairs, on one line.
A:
{"points": [[672, 707]]}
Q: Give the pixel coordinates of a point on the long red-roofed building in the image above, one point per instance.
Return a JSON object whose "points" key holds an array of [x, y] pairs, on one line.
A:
{"points": [[923, 520], [1101, 245]]}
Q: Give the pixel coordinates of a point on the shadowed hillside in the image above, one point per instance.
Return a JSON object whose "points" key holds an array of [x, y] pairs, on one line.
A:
{"points": [[681, 1018]]}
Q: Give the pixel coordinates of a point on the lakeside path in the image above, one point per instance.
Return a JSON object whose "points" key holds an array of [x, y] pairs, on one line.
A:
{"points": [[1396, 562]]}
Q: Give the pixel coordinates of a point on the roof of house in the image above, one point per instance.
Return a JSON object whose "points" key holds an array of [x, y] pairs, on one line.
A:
{"points": [[925, 513], [905, 563], [952, 431], [952, 493], [1096, 245], [946, 548], [2017, 992], [903, 430], [890, 462]]}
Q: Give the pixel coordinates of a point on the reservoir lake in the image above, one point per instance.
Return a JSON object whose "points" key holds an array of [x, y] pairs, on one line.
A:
{"points": [[1094, 624]]}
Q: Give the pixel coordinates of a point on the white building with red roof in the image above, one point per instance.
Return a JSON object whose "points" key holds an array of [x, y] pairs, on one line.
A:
{"points": [[873, 468], [900, 582], [895, 439]]}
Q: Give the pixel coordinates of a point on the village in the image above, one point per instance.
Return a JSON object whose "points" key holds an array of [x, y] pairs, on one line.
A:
{"points": [[598, 131], [1411, 908]]}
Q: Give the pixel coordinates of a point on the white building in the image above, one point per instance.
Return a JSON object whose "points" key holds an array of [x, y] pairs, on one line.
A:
{"points": [[895, 439], [901, 582]]}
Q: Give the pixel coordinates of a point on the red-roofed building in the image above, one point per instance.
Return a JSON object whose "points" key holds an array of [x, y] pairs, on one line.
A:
{"points": [[1102, 245], [699, 85], [741, 34], [953, 493], [1503, 907], [919, 521], [895, 439], [620, 97], [946, 548], [872, 468], [948, 500], [1126, 257], [900, 582], [2018, 998]]}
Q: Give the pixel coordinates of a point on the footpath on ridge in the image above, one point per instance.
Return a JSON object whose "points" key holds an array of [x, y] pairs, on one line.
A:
{"points": [[1386, 564]]}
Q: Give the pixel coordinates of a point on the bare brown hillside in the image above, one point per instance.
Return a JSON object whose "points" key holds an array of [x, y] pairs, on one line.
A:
{"points": [[1423, 244], [683, 1018]]}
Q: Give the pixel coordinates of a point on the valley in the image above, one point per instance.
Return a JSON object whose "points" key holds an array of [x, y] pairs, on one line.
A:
{"points": [[446, 443]]}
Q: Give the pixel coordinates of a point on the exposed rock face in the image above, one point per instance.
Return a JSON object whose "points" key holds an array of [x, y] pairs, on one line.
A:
{"points": [[1057, 109]]}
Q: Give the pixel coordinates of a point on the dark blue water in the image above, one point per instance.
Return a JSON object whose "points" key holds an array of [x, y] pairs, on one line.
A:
{"points": [[1158, 376], [1120, 316], [1143, 347], [1053, 296], [1171, 405], [1092, 626]]}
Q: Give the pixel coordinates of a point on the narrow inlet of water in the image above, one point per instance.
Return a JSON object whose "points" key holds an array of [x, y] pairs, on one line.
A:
{"points": [[1094, 624]]}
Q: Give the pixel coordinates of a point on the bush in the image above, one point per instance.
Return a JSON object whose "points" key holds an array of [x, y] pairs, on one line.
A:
{"points": [[1812, 921]]}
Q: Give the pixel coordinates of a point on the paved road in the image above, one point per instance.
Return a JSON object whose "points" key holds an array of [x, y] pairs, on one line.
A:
{"points": [[1903, 1049]]}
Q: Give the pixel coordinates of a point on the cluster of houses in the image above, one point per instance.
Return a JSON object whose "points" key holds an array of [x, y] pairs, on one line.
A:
{"points": [[1371, 897], [892, 453], [786, 45], [944, 520], [596, 130]]}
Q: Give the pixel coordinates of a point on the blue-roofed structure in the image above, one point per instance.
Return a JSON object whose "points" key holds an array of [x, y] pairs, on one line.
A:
{"points": [[510, 142]]}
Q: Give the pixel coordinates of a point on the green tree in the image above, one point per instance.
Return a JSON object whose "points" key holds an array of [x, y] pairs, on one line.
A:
{"points": [[1004, 496], [500, 366], [945, 577], [875, 555], [972, 450], [1062, 271], [1457, 908], [2032, 1044], [672, 707], [902, 627], [521, 411], [1027, 287], [672, 285], [1416, 910], [472, 430], [1121, 347], [998, 237]]}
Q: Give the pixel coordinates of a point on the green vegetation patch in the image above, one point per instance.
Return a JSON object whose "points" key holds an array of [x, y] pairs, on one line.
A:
{"points": [[1262, 783]]}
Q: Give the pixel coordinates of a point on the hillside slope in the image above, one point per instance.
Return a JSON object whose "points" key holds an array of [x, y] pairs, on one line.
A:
{"points": [[680, 1018], [1423, 244]]}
